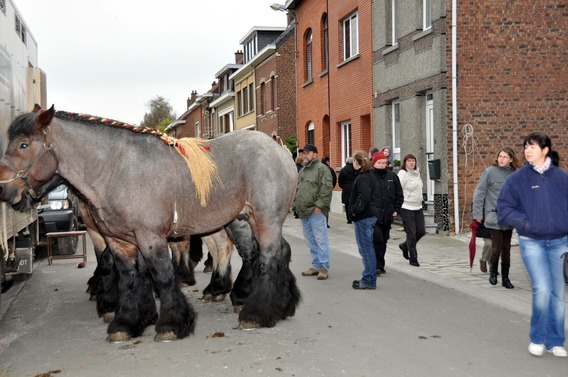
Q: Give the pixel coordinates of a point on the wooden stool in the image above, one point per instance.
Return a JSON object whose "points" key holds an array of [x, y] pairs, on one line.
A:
{"points": [[51, 235]]}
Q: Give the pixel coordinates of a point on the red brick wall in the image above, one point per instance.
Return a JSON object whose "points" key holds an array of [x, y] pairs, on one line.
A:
{"points": [[350, 85], [512, 80], [312, 99]]}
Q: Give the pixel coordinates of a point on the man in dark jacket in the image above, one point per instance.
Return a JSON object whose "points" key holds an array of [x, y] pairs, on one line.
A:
{"points": [[346, 178], [388, 197], [325, 161]]}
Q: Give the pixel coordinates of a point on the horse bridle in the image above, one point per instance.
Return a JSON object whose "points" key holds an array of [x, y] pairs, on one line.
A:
{"points": [[23, 173]]}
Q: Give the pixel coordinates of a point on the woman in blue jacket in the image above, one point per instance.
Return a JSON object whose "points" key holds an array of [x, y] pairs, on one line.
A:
{"points": [[534, 200]]}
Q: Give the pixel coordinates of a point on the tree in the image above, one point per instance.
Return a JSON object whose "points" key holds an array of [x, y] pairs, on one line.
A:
{"points": [[160, 114]]}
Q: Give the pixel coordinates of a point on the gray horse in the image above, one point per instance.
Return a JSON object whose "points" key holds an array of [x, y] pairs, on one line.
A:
{"points": [[140, 191]]}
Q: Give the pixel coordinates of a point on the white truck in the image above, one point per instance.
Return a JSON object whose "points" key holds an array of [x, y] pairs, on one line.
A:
{"points": [[22, 86]]}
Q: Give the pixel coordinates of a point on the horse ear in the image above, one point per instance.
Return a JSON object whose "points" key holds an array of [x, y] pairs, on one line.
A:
{"points": [[44, 118]]}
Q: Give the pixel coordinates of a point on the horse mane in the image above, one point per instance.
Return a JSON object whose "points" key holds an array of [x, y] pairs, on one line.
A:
{"points": [[194, 151]]}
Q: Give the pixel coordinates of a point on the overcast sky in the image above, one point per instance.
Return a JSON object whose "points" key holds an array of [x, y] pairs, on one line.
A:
{"points": [[109, 58]]}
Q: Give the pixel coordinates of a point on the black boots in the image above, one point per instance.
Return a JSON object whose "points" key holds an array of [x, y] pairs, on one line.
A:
{"points": [[505, 277], [493, 273]]}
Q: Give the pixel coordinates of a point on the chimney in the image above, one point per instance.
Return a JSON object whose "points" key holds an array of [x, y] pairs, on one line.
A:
{"points": [[239, 57], [191, 100]]}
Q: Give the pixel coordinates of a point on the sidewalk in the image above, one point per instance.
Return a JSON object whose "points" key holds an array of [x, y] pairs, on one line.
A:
{"points": [[443, 261]]}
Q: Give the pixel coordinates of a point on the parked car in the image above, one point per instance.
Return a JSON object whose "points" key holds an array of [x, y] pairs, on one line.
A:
{"points": [[60, 214]]}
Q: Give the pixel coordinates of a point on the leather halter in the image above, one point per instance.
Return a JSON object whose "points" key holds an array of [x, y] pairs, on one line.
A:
{"points": [[23, 173]]}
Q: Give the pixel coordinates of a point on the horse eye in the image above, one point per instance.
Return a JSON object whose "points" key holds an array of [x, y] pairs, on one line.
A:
{"points": [[23, 145]]}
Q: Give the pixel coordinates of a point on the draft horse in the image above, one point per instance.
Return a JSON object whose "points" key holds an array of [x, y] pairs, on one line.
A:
{"points": [[142, 187]]}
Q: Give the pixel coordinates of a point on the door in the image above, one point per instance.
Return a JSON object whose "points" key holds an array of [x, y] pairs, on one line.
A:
{"points": [[430, 143]]}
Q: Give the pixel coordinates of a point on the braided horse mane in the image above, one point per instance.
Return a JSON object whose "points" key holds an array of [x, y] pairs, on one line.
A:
{"points": [[194, 151]]}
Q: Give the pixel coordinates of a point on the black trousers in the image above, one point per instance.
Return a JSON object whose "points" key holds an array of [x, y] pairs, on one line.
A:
{"points": [[347, 211], [501, 246], [414, 227], [381, 235]]}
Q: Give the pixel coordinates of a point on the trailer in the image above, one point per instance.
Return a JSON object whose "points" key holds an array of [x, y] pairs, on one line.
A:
{"points": [[22, 86]]}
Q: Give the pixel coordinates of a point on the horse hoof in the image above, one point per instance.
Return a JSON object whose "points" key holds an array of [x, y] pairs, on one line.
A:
{"points": [[118, 337], [237, 308], [108, 317], [183, 285], [165, 337], [249, 325]]}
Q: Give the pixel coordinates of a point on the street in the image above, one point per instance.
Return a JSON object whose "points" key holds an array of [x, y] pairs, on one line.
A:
{"points": [[417, 323]]}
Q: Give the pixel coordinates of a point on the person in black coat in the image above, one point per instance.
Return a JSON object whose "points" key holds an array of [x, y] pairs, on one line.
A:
{"points": [[346, 178], [388, 197], [325, 161]]}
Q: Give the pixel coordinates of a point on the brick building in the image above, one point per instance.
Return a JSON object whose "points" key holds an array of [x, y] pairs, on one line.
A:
{"points": [[508, 78], [334, 77]]}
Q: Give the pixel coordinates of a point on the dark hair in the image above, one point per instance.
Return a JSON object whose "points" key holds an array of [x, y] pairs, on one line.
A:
{"points": [[514, 162], [543, 141], [372, 151], [325, 159], [362, 160], [406, 158]]}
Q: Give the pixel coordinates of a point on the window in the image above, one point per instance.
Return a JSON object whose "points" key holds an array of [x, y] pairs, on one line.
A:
{"points": [[273, 87], [325, 44], [250, 48], [394, 35], [225, 123], [309, 60], [240, 103], [197, 130], [345, 139], [245, 101], [263, 98], [426, 14], [3, 6], [350, 36], [251, 98], [311, 134], [20, 29], [396, 129]]}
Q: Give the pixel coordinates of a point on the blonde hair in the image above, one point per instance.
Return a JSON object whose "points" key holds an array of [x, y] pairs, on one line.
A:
{"points": [[362, 160]]}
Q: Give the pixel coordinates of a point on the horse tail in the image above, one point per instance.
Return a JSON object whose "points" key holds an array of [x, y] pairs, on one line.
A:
{"points": [[201, 166]]}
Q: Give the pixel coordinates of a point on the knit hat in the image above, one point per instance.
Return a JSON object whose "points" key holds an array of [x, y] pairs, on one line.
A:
{"points": [[378, 156]]}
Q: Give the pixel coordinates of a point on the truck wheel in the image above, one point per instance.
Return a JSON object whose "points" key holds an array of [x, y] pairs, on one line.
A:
{"points": [[68, 245]]}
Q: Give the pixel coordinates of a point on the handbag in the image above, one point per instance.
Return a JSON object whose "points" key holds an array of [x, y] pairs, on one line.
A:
{"points": [[483, 232]]}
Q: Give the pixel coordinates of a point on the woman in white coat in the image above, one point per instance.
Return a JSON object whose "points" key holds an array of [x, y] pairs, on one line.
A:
{"points": [[411, 212]]}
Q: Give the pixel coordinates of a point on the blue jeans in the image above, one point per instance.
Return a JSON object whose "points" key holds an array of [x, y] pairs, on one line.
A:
{"points": [[364, 238], [544, 262], [315, 234]]}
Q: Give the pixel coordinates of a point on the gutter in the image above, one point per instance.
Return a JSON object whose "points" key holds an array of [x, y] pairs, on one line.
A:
{"points": [[455, 115]]}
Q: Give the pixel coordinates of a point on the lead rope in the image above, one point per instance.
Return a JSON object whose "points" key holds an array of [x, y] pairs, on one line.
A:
{"points": [[4, 237]]}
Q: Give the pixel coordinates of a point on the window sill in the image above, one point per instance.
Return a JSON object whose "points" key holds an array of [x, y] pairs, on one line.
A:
{"points": [[307, 83], [387, 51], [422, 34], [323, 73], [354, 57]]}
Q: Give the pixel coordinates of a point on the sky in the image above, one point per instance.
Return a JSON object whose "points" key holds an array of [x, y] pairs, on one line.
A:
{"points": [[109, 58]]}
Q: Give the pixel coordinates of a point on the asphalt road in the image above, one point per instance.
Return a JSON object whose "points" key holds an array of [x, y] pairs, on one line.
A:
{"points": [[407, 327]]}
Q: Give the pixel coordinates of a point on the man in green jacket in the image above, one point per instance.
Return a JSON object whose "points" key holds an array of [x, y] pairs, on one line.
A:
{"points": [[312, 203]]}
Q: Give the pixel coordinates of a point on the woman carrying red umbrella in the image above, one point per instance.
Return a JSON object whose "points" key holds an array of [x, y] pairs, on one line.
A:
{"points": [[485, 211]]}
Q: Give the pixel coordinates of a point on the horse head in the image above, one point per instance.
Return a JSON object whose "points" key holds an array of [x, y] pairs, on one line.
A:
{"points": [[29, 165]]}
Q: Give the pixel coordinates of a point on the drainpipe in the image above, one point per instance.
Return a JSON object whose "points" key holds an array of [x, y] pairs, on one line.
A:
{"points": [[455, 115]]}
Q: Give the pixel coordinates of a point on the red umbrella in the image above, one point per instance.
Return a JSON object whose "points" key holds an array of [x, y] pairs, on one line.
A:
{"points": [[474, 226]]}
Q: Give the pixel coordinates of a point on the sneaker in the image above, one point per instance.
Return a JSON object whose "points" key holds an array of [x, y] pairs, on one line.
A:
{"points": [[482, 265], [537, 349], [322, 274], [404, 248], [414, 262], [311, 272], [358, 285], [558, 351]]}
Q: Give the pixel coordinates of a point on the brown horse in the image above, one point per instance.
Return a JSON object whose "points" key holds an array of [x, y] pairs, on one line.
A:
{"points": [[221, 188]]}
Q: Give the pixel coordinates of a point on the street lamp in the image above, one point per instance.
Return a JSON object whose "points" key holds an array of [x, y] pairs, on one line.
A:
{"points": [[278, 7]]}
